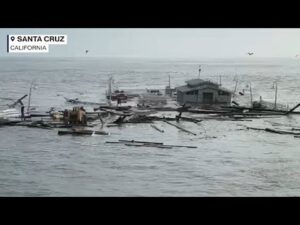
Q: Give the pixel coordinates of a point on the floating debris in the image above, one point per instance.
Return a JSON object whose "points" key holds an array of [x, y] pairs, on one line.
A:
{"points": [[180, 128], [147, 144], [81, 132], [156, 128], [144, 142], [274, 131]]}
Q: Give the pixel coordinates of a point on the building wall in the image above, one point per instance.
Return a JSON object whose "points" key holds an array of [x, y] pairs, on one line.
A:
{"points": [[180, 98], [194, 99]]}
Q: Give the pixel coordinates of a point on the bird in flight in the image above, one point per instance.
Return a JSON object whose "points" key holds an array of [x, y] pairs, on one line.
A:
{"points": [[250, 53], [86, 51]]}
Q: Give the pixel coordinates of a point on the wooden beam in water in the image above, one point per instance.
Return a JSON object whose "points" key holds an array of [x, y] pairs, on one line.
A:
{"points": [[190, 119], [180, 128], [281, 131], [119, 113], [254, 128], [147, 142], [156, 128], [293, 109], [296, 129], [274, 131], [81, 132], [182, 146], [147, 145]]}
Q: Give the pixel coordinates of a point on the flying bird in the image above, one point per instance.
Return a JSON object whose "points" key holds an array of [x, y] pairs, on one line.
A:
{"points": [[250, 53], [86, 51]]}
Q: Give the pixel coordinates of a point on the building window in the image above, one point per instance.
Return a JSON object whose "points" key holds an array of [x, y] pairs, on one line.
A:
{"points": [[192, 92], [223, 93]]}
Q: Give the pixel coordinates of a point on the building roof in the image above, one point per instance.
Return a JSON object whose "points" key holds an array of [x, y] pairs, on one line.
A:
{"points": [[194, 82], [199, 82], [187, 88]]}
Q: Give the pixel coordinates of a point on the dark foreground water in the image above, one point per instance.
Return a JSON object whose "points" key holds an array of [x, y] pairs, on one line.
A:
{"points": [[229, 161]]}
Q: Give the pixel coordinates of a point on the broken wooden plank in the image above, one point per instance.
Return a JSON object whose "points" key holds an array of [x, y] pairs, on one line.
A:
{"points": [[118, 108], [291, 111], [35, 124], [274, 131], [119, 113], [147, 145], [254, 128], [156, 128], [205, 111], [119, 120], [147, 142], [150, 119], [113, 125], [281, 131], [182, 146], [189, 119], [180, 128], [9, 123], [19, 101], [81, 132], [77, 101]]}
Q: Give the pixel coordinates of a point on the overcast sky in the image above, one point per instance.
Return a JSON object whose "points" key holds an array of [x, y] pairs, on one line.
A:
{"points": [[169, 43]]}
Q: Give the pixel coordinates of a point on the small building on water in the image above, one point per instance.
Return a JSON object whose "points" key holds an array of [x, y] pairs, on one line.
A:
{"points": [[202, 92]]}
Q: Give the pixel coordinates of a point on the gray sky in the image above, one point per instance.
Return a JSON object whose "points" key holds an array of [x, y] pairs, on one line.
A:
{"points": [[169, 43]]}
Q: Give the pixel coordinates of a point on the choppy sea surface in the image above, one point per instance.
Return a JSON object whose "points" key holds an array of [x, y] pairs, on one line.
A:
{"points": [[229, 161]]}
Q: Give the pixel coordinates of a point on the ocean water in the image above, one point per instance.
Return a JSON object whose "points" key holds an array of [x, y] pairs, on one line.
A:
{"points": [[229, 161]]}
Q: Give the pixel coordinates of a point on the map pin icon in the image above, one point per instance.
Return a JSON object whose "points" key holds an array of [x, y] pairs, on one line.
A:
{"points": [[12, 38]]}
